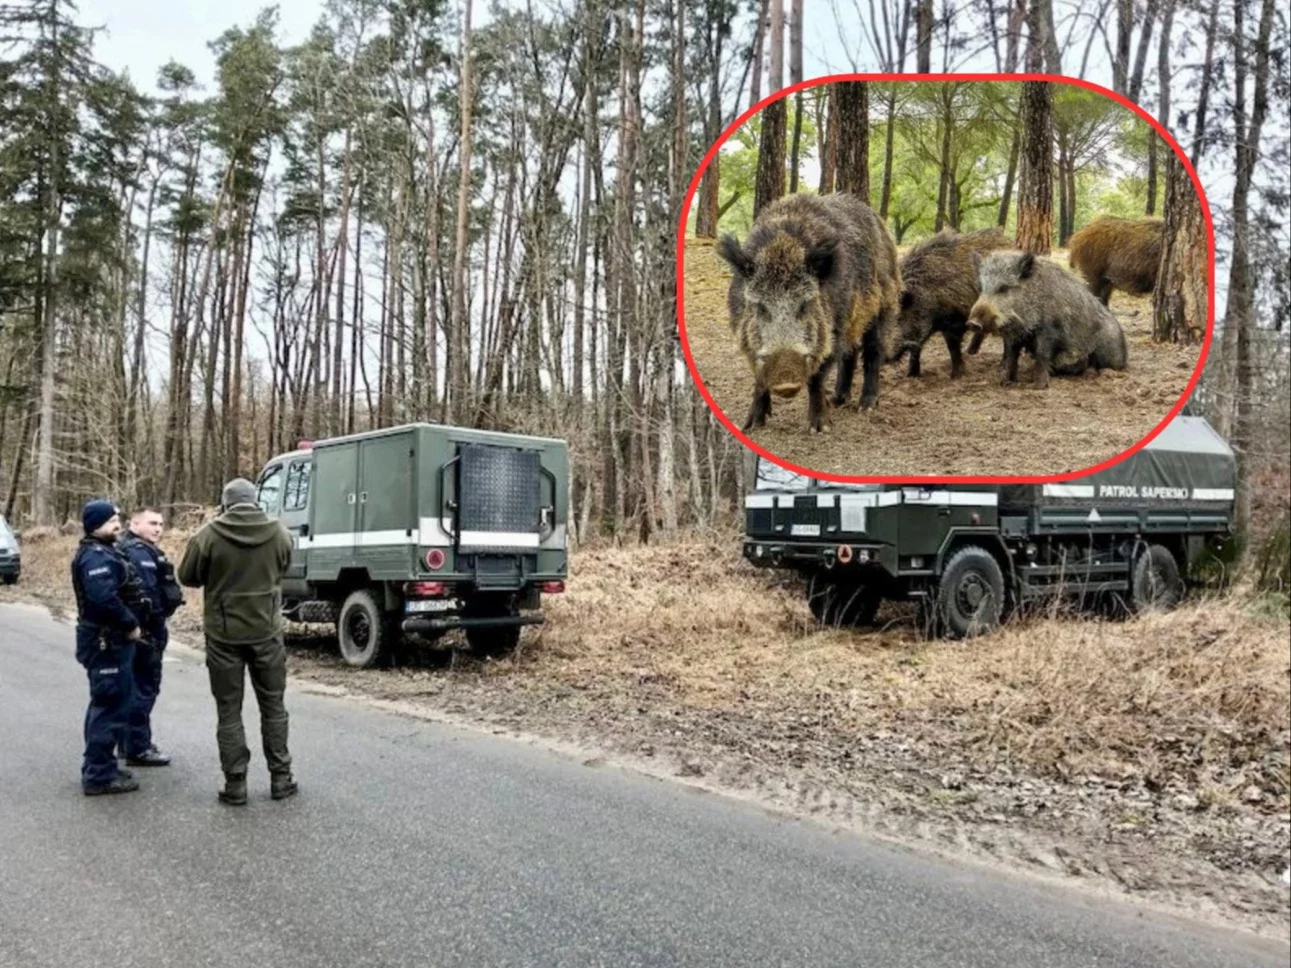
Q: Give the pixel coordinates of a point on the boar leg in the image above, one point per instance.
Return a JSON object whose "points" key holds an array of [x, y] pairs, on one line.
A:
{"points": [[759, 409], [1102, 288], [871, 360], [816, 401], [915, 352], [954, 336], [1043, 352], [846, 373], [1009, 362], [975, 343]]}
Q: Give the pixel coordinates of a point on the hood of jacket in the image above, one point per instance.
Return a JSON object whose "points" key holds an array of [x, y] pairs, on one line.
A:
{"points": [[246, 526]]}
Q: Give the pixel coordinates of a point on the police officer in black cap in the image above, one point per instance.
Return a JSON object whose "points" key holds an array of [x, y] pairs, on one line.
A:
{"points": [[112, 613], [157, 574]]}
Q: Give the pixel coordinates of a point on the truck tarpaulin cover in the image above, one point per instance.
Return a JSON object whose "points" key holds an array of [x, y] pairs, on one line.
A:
{"points": [[1187, 464]]}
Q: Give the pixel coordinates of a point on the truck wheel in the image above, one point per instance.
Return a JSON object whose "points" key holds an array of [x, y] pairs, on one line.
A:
{"points": [[10, 579], [970, 598], [362, 630], [1155, 582], [842, 603]]}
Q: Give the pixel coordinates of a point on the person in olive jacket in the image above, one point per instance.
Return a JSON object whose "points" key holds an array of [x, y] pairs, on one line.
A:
{"points": [[239, 560]]}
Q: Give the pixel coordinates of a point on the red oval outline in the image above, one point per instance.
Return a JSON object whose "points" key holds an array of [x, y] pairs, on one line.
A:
{"points": [[942, 479]]}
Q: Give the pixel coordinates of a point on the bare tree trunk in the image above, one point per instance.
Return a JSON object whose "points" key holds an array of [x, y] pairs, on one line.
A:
{"points": [[759, 53], [795, 76], [460, 346], [706, 216], [943, 162], [1035, 193], [1009, 177], [925, 19], [1203, 95], [1155, 144], [1124, 34], [829, 133]]}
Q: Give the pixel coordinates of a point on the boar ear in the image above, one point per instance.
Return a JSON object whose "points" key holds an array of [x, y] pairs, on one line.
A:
{"points": [[907, 299], [819, 259], [1026, 266], [731, 253]]}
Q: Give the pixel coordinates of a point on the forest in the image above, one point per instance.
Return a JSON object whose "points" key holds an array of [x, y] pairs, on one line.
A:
{"points": [[425, 212]]}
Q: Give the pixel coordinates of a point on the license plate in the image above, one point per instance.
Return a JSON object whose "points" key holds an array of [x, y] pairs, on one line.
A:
{"points": [[805, 530], [427, 605]]}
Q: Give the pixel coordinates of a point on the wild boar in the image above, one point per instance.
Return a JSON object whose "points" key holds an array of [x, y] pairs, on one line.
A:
{"points": [[939, 287], [1036, 306], [1117, 253], [815, 283]]}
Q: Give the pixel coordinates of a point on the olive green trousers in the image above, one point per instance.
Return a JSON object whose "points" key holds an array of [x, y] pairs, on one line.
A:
{"points": [[228, 666]]}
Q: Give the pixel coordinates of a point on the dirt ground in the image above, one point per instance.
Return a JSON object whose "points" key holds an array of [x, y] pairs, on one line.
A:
{"points": [[933, 425], [1150, 758]]}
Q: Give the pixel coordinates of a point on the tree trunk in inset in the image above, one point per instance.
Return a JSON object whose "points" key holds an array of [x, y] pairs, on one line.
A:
{"points": [[829, 134], [854, 139], [770, 176], [1035, 191], [1180, 300]]}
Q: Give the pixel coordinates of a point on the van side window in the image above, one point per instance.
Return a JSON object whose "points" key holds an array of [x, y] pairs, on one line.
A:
{"points": [[295, 495], [270, 488]]}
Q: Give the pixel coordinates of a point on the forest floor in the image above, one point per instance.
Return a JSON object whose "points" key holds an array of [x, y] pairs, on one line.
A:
{"points": [[1149, 758], [933, 425]]}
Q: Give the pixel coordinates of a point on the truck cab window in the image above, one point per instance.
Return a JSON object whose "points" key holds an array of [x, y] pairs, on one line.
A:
{"points": [[296, 493], [270, 488]]}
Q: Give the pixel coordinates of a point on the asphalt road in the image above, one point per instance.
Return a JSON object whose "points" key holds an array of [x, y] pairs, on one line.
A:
{"points": [[413, 843]]}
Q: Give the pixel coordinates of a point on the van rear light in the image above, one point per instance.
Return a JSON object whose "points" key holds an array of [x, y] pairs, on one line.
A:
{"points": [[425, 589], [551, 587], [434, 559]]}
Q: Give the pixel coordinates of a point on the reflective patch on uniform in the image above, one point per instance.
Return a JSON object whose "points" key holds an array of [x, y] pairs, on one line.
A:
{"points": [[98, 571], [148, 564], [108, 672]]}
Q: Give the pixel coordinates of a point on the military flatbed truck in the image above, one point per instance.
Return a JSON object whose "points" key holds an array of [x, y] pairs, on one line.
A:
{"points": [[1131, 534], [418, 530]]}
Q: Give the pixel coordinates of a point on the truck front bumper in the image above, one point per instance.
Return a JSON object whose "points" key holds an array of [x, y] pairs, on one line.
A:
{"points": [[796, 554]]}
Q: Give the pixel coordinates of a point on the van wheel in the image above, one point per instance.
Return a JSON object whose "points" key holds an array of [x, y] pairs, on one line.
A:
{"points": [[842, 603], [363, 631], [970, 598], [10, 579], [1155, 582]]}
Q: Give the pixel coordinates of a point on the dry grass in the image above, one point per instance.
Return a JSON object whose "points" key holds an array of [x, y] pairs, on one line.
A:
{"points": [[1199, 696], [937, 426]]}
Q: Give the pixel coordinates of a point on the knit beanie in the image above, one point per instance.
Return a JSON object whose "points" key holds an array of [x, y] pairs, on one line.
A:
{"points": [[96, 513]]}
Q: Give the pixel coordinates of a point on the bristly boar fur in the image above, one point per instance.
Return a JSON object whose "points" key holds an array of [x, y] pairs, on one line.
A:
{"points": [[1117, 253], [816, 283], [1036, 306], [939, 287]]}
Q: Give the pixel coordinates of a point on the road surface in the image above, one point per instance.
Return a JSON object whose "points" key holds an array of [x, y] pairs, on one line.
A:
{"points": [[414, 843]]}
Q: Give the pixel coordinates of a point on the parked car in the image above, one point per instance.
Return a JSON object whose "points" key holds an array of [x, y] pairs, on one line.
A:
{"points": [[10, 553]]}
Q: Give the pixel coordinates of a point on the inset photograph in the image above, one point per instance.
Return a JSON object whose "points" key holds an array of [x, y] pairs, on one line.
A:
{"points": [[970, 277]]}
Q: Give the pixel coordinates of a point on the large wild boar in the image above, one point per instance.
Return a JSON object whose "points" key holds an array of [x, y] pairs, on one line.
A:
{"points": [[939, 287], [1117, 253], [816, 282], [1036, 306]]}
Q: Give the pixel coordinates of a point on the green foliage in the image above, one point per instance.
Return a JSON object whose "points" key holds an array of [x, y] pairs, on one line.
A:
{"points": [[1107, 146]]}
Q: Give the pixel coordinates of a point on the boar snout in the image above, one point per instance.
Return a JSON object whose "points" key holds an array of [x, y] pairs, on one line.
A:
{"points": [[784, 373]]}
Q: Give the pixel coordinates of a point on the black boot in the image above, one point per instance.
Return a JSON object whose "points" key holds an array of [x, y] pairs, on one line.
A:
{"points": [[235, 790], [121, 784], [282, 786]]}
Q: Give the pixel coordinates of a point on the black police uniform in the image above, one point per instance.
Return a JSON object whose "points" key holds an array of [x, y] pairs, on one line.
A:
{"points": [[157, 576], [110, 604]]}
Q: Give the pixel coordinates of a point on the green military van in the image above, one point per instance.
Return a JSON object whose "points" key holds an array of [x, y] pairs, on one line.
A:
{"points": [[419, 530], [966, 553]]}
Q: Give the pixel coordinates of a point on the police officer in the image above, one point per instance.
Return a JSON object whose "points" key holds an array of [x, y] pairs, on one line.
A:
{"points": [[157, 576], [111, 611]]}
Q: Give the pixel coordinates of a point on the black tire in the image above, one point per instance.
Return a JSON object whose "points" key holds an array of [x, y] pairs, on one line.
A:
{"points": [[366, 636], [496, 640], [970, 596], [11, 579], [842, 603], [1155, 582]]}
